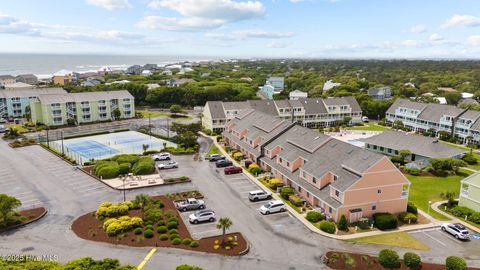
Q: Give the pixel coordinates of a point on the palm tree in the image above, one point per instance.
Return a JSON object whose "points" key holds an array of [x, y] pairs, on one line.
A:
{"points": [[224, 224], [142, 200], [449, 196], [145, 148]]}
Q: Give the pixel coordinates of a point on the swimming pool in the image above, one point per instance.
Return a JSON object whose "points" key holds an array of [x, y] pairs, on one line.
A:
{"points": [[107, 145], [356, 143]]}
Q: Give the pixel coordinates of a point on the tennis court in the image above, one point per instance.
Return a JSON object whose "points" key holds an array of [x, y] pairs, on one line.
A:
{"points": [[107, 145]]}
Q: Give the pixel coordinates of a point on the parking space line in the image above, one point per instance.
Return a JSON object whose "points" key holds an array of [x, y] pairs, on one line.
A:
{"points": [[28, 201], [199, 225], [21, 194], [440, 242], [449, 237], [82, 185]]}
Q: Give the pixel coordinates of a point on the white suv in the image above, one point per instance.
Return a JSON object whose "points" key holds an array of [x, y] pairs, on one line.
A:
{"points": [[161, 156], [457, 230], [202, 216], [257, 195], [272, 207]]}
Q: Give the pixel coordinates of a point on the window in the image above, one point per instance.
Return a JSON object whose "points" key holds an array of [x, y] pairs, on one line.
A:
{"points": [[280, 160], [330, 210], [389, 150], [308, 194], [337, 193], [335, 178], [314, 180], [288, 164], [374, 147], [379, 191], [381, 148], [299, 189], [374, 207]]}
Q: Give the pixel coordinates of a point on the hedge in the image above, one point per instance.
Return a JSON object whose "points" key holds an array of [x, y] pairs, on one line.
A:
{"points": [[108, 209], [125, 158], [412, 260], [389, 259], [411, 208], [328, 227], [455, 263], [385, 221], [144, 166], [162, 229], [124, 168], [295, 200], [462, 211], [314, 216], [407, 218], [286, 191], [114, 226]]}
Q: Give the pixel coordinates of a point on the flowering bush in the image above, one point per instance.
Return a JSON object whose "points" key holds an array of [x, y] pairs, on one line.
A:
{"points": [[114, 226], [108, 209]]}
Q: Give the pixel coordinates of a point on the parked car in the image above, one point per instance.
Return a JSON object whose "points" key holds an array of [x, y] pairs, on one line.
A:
{"points": [[258, 195], [272, 207], [365, 119], [215, 157], [202, 216], [232, 170], [457, 230], [3, 129], [223, 163], [161, 156], [3, 121], [190, 204], [169, 165], [10, 119]]}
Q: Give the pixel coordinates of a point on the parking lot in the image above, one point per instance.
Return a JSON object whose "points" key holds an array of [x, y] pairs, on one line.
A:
{"points": [[442, 242], [10, 181]]}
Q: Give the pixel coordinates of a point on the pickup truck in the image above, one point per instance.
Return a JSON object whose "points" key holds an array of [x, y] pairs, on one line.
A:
{"points": [[190, 204]]}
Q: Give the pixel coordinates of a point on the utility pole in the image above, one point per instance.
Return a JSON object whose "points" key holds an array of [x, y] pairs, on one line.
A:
{"points": [[63, 151], [124, 198], [168, 128], [150, 125]]}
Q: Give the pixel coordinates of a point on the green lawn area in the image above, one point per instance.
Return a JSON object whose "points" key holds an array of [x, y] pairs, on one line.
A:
{"points": [[428, 188], [154, 114], [369, 127], [213, 150], [397, 239], [475, 166]]}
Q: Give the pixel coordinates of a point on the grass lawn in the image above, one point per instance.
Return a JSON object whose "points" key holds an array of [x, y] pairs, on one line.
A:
{"points": [[154, 114], [428, 188], [369, 127], [476, 155], [397, 239], [213, 150]]}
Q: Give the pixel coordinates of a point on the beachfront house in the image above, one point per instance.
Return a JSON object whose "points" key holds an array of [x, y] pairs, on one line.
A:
{"points": [[273, 86], [27, 78], [85, 107], [336, 178], [380, 93], [297, 94], [6, 79], [63, 77]]}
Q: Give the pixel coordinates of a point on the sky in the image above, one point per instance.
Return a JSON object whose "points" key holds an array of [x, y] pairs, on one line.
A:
{"points": [[244, 28]]}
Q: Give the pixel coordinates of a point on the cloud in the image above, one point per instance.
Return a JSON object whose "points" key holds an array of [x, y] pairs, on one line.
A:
{"points": [[411, 43], [276, 44], [200, 15], [435, 37], [12, 25], [419, 28], [461, 20], [249, 33], [473, 41], [110, 4]]}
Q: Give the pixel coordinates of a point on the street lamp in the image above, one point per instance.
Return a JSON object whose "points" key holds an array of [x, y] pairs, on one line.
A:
{"points": [[429, 205], [124, 199]]}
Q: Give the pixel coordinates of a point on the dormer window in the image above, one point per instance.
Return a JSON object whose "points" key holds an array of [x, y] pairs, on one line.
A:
{"points": [[335, 178], [337, 193]]}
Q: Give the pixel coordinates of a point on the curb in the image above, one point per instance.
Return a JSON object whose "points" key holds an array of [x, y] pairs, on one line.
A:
{"points": [[454, 218], [27, 223]]}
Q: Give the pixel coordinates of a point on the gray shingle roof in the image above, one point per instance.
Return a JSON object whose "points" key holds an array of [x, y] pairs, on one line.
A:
{"points": [[405, 103], [84, 96], [433, 112], [30, 92], [3, 77], [417, 144], [216, 109]]}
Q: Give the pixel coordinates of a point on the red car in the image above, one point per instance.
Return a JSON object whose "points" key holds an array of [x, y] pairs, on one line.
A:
{"points": [[232, 170]]}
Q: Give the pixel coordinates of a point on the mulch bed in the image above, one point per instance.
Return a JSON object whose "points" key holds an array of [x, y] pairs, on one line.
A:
{"points": [[28, 216], [362, 261], [90, 228]]}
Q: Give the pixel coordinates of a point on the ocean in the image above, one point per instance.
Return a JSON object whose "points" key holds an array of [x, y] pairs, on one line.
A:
{"points": [[42, 64]]}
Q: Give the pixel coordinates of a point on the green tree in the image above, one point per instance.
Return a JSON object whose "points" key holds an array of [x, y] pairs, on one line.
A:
{"points": [[342, 223], [117, 113], [389, 259], [404, 153], [449, 196], [7, 205], [142, 200], [145, 148], [224, 224], [175, 109]]}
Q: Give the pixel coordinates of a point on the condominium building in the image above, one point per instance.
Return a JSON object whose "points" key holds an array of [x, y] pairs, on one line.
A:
{"points": [[86, 107], [470, 192], [309, 112], [421, 117], [14, 103], [333, 176]]}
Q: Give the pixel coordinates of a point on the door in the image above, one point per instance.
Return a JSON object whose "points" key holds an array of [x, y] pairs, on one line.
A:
{"points": [[354, 217]]}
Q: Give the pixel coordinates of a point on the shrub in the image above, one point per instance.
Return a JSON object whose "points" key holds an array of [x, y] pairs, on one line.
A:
{"points": [[114, 226], [194, 244], [286, 191], [113, 210], [237, 156], [414, 171], [132, 159], [412, 260], [149, 227], [124, 168], [176, 241], [455, 263], [173, 231], [295, 200], [327, 226], [254, 169], [274, 183], [397, 160], [170, 219], [163, 237], [148, 233], [470, 159], [172, 225], [143, 166], [411, 208], [342, 223], [173, 236], [161, 222], [389, 259], [162, 229], [462, 211], [152, 215], [407, 218], [186, 241], [109, 172], [137, 231], [314, 216], [385, 221], [188, 267], [475, 217]]}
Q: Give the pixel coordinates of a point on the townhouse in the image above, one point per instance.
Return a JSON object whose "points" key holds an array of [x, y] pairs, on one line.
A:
{"points": [[14, 103], [6, 79], [421, 117], [273, 86], [309, 112], [86, 107], [470, 192], [333, 176]]}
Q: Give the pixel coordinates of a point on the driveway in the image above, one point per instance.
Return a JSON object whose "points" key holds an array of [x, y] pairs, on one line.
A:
{"points": [[277, 241]]}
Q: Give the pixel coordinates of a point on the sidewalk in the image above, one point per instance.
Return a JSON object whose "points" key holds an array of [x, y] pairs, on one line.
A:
{"points": [[309, 225], [455, 219]]}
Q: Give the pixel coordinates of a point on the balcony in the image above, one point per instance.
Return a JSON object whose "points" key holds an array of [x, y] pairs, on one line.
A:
{"points": [[404, 194]]}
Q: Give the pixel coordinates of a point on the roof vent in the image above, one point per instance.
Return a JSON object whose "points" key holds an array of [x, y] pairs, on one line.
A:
{"points": [[316, 138], [350, 151], [317, 100]]}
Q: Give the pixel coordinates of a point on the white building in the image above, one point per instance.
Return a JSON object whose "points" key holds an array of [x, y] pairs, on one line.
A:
{"points": [[297, 94]]}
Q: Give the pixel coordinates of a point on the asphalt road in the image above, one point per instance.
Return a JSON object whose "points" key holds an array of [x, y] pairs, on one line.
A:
{"points": [[277, 241]]}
